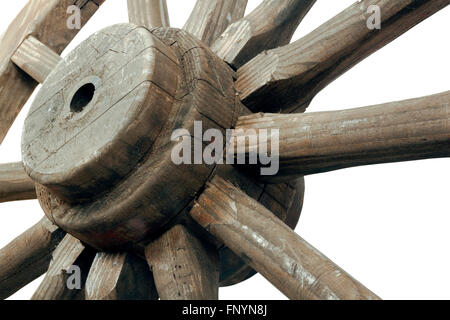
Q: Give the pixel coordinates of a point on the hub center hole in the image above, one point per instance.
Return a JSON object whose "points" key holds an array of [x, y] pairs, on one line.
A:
{"points": [[82, 97]]}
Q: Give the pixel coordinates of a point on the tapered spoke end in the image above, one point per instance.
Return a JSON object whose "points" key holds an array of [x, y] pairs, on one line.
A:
{"points": [[286, 79], [15, 184], [271, 247], [149, 13], [28, 256], [210, 18], [119, 276], [183, 267]]}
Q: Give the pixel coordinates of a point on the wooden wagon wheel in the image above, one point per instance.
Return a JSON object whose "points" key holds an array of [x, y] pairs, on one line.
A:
{"points": [[97, 144]]}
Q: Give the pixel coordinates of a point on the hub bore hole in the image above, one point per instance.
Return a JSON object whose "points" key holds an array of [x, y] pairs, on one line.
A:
{"points": [[82, 97]]}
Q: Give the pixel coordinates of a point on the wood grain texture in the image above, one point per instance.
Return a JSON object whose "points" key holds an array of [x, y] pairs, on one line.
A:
{"points": [[284, 200], [46, 20], [183, 268], [288, 78], [109, 100], [119, 276], [15, 183], [158, 193], [152, 195], [322, 141], [27, 257], [211, 17], [70, 252], [271, 247], [270, 25], [149, 13], [36, 59]]}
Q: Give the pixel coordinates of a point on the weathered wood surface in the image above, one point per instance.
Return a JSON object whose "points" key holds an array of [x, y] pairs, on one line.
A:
{"points": [[109, 100], [149, 13], [15, 183], [270, 25], [69, 253], [322, 141], [211, 17], [119, 276], [151, 195], [27, 257], [284, 200], [183, 268], [36, 59], [288, 78], [271, 247], [46, 20]]}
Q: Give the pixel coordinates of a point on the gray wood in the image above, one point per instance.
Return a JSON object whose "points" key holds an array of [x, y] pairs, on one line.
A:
{"points": [[211, 17], [15, 183], [36, 59], [322, 141], [183, 267], [70, 252], [104, 118], [109, 219], [271, 247], [104, 172], [148, 13], [151, 198], [119, 276], [46, 20], [270, 25], [27, 257], [287, 78]]}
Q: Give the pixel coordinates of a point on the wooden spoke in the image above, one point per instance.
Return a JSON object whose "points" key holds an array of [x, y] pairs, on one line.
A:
{"points": [[47, 21], [184, 269], [35, 58], [119, 276], [71, 257], [271, 247], [15, 183], [287, 78], [211, 17], [269, 26], [27, 257], [149, 13], [323, 141]]}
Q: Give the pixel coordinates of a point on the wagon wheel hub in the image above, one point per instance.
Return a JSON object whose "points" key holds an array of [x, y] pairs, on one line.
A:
{"points": [[97, 140], [99, 112]]}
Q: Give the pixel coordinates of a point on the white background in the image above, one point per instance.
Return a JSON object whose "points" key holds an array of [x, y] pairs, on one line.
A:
{"points": [[387, 225]]}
